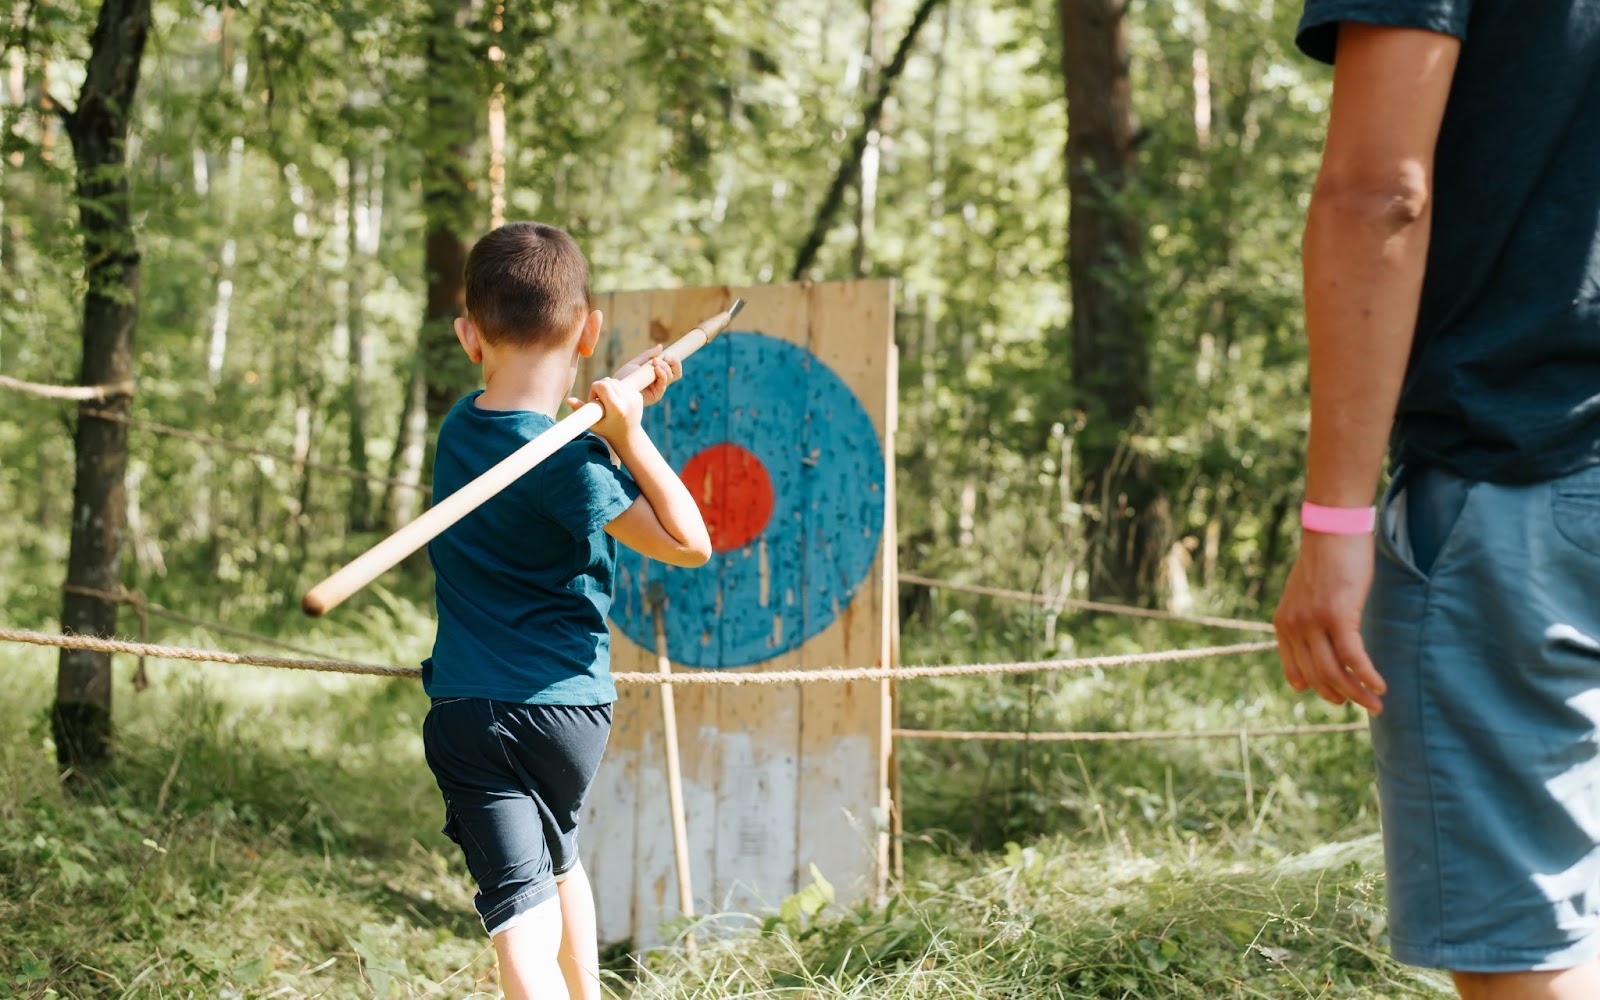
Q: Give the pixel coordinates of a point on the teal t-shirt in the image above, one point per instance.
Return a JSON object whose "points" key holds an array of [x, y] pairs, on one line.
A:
{"points": [[523, 584], [1504, 378]]}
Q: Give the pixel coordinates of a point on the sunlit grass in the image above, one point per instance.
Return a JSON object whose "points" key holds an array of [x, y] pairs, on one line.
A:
{"points": [[274, 834]]}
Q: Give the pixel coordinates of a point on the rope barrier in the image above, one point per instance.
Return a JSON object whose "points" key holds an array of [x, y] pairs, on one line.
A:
{"points": [[831, 674], [1135, 736], [100, 393], [955, 670], [79, 393], [141, 679], [244, 449], [161, 652], [142, 606], [1083, 605]]}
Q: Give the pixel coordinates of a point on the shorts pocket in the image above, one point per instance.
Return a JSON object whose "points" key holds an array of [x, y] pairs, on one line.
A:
{"points": [[1576, 514], [458, 834], [1420, 519]]}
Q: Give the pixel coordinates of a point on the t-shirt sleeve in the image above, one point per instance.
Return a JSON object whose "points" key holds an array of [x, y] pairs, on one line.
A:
{"points": [[582, 491], [1318, 34]]}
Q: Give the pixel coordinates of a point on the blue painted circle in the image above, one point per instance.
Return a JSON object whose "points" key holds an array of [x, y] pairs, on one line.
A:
{"points": [[825, 460]]}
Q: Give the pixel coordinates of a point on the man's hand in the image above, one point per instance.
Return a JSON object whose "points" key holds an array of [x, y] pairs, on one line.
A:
{"points": [[1319, 621], [668, 371]]}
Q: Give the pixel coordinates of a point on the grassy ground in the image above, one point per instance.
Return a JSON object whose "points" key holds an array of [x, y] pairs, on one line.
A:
{"points": [[264, 834]]}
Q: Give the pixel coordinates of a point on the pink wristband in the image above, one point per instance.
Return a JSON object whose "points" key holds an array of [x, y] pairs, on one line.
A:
{"points": [[1337, 520]]}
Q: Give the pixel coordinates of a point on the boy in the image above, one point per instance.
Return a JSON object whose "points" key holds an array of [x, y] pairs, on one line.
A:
{"points": [[520, 672]]}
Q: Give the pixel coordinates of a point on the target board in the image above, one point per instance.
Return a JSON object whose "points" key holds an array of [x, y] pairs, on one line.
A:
{"points": [[783, 430]]}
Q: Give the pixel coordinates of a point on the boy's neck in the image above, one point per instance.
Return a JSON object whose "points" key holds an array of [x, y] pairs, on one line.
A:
{"points": [[538, 380]]}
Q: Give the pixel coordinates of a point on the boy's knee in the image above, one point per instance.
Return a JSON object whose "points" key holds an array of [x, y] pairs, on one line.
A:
{"points": [[538, 927]]}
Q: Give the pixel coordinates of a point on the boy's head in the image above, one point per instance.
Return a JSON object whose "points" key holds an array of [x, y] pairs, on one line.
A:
{"points": [[527, 285]]}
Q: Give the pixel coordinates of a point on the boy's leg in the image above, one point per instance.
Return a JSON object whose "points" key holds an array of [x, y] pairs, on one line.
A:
{"points": [[580, 948], [527, 952], [1582, 983]]}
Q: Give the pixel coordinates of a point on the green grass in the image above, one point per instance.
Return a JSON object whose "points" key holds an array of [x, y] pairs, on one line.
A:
{"points": [[1057, 920], [266, 834]]}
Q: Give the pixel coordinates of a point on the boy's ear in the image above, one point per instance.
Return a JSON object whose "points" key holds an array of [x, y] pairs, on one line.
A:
{"points": [[590, 338], [467, 333]]}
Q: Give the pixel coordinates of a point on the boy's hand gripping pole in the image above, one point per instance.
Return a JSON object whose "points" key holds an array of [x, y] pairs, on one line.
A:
{"points": [[368, 566]]}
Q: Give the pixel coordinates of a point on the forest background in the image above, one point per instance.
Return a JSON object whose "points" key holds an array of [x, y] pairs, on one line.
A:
{"points": [[1092, 211]]}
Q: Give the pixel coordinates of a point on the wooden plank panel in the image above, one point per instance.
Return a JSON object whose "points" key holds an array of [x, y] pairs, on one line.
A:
{"points": [[757, 797], [844, 806], [597, 837], [656, 877], [614, 800], [757, 815], [699, 708]]}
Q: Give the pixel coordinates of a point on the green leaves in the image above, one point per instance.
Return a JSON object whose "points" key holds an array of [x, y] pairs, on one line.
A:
{"points": [[799, 910]]}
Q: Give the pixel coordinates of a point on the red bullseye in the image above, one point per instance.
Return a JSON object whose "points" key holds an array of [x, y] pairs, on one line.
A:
{"points": [[733, 491]]}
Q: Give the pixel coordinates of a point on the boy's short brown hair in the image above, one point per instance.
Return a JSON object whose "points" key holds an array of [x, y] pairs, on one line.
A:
{"points": [[527, 283]]}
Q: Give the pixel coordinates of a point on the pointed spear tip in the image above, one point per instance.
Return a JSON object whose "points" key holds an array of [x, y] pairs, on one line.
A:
{"points": [[733, 310]]}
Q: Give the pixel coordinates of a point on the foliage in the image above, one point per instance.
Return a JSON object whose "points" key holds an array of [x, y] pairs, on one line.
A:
{"points": [[263, 836], [683, 144]]}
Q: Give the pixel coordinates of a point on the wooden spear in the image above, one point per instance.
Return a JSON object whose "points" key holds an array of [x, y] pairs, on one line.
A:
{"points": [[368, 566]]}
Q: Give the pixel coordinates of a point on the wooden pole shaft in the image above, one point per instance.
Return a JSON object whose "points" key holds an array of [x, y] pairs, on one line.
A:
{"points": [[680, 823], [371, 564]]}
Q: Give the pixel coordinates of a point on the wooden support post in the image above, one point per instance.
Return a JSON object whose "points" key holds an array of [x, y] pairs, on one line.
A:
{"points": [[669, 724]]}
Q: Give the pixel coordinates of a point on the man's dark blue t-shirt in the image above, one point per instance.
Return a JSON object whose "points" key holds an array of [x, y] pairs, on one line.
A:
{"points": [[1504, 378], [524, 583]]}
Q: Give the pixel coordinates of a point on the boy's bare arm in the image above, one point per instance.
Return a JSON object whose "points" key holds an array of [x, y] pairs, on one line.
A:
{"points": [[665, 523]]}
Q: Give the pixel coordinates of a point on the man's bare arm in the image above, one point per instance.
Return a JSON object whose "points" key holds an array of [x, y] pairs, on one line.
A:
{"points": [[1365, 249]]}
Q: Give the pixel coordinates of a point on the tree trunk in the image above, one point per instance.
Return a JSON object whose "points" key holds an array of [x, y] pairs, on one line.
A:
{"points": [[402, 504], [871, 155], [98, 128], [497, 120], [358, 220], [440, 373], [1272, 549], [1110, 349], [223, 310], [849, 168], [10, 224], [1200, 63], [454, 113]]}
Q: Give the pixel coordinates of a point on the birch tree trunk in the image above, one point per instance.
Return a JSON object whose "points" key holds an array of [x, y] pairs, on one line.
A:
{"points": [[872, 154], [15, 94], [223, 310], [849, 168]]}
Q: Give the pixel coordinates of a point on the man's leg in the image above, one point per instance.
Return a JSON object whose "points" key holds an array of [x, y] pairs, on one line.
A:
{"points": [[1581, 983], [529, 967], [580, 948]]}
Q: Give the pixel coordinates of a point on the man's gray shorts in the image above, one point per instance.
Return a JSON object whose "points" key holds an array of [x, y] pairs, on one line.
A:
{"points": [[1485, 621]]}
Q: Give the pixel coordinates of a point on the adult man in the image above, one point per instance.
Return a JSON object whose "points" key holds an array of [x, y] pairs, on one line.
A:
{"points": [[1452, 290]]}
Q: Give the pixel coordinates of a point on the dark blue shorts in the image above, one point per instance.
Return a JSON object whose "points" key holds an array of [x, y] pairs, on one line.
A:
{"points": [[513, 778]]}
